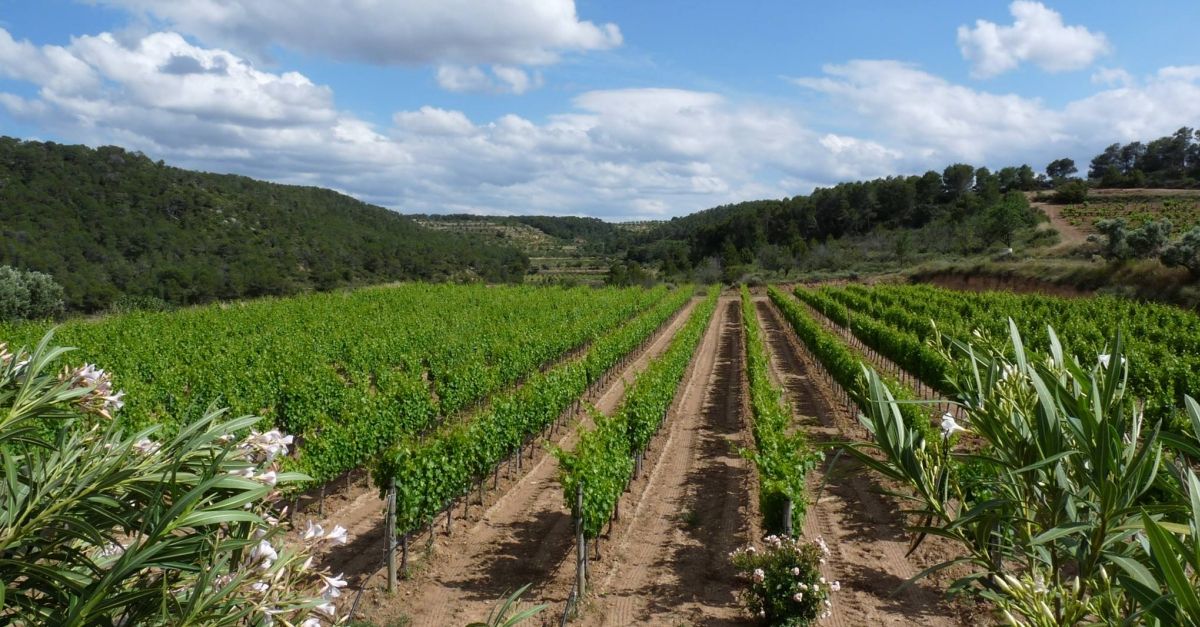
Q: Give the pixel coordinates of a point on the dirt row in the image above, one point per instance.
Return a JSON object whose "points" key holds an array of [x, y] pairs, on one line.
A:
{"points": [[664, 561], [849, 510], [357, 506]]}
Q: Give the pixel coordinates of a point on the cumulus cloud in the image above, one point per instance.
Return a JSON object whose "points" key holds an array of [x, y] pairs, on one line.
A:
{"points": [[502, 79], [413, 32], [938, 122], [1037, 35]]}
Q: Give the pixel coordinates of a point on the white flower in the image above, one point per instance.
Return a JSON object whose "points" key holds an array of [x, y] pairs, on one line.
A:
{"points": [[821, 543], [802, 586], [798, 597], [269, 478], [263, 551], [796, 571], [327, 609], [949, 425], [828, 603], [821, 579], [307, 564], [260, 586], [1104, 359], [835, 586], [331, 586], [146, 446], [313, 531], [338, 535], [311, 622], [759, 575]]}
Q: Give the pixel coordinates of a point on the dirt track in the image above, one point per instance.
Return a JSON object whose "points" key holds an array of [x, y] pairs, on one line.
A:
{"points": [[864, 533], [668, 561]]}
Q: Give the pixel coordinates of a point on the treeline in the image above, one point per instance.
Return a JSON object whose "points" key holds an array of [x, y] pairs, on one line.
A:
{"points": [[1171, 161], [988, 206], [112, 226]]}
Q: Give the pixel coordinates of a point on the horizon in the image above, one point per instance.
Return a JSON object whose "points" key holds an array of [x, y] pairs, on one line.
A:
{"points": [[621, 112]]}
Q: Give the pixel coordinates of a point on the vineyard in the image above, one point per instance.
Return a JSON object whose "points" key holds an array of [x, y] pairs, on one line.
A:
{"points": [[348, 373], [1182, 211], [625, 452]]}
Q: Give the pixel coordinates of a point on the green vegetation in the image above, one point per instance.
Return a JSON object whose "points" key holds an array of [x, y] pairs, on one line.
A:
{"points": [[781, 452], [1171, 161], [603, 460], [1085, 519], [348, 373], [1163, 340], [107, 526], [28, 295], [432, 470], [107, 223], [786, 587], [1135, 210]]}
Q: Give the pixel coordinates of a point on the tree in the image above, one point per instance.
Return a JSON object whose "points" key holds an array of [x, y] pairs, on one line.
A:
{"points": [[1002, 220], [1116, 248], [1184, 253], [957, 181], [1060, 169]]}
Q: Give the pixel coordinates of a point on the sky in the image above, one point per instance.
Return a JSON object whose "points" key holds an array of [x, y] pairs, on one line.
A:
{"points": [[622, 110]]}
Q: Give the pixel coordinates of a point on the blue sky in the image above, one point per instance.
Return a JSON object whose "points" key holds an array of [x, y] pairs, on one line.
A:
{"points": [[621, 110]]}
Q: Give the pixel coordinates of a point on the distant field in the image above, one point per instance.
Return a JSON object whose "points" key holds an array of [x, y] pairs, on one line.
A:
{"points": [[1181, 207]]}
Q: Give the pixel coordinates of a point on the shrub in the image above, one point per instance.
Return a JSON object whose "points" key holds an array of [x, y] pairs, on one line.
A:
{"points": [[28, 295], [1184, 253], [105, 527], [1071, 192], [1074, 512], [785, 582]]}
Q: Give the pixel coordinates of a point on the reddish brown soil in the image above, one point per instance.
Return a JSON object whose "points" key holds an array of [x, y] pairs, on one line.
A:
{"points": [[669, 558], [865, 535], [525, 536]]}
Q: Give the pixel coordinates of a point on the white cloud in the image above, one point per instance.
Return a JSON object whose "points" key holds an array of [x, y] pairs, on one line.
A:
{"points": [[1112, 77], [1037, 35], [938, 122], [503, 79], [412, 32]]}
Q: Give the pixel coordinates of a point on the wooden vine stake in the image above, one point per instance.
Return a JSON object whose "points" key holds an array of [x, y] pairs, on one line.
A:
{"points": [[787, 517], [389, 529], [580, 543]]}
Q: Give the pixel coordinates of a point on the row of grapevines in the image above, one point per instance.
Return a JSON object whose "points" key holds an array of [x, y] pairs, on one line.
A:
{"points": [[843, 365], [603, 460], [903, 348], [433, 471], [347, 372], [783, 459], [1165, 339]]}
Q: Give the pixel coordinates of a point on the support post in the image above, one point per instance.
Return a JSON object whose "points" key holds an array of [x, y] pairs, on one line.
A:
{"points": [[787, 517], [390, 529], [580, 543]]}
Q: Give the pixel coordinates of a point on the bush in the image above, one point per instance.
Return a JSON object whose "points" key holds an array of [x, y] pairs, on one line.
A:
{"points": [[1184, 253], [108, 527], [786, 586], [1071, 192], [28, 295], [1149, 239]]}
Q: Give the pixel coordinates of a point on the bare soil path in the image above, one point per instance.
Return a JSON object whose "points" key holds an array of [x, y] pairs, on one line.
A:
{"points": [[668, 561], [524, 537], [861, 526]]}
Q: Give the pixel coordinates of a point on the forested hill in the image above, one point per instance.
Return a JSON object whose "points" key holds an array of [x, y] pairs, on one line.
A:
{"points": [[109, 224]]}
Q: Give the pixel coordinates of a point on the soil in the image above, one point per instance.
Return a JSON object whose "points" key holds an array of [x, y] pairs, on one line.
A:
{"points": [[669, 561], [860, 524], [525, 536], [1070, 236]]}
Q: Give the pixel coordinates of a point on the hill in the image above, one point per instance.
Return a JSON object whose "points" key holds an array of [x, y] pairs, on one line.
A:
{"points": [[109, 224]]}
